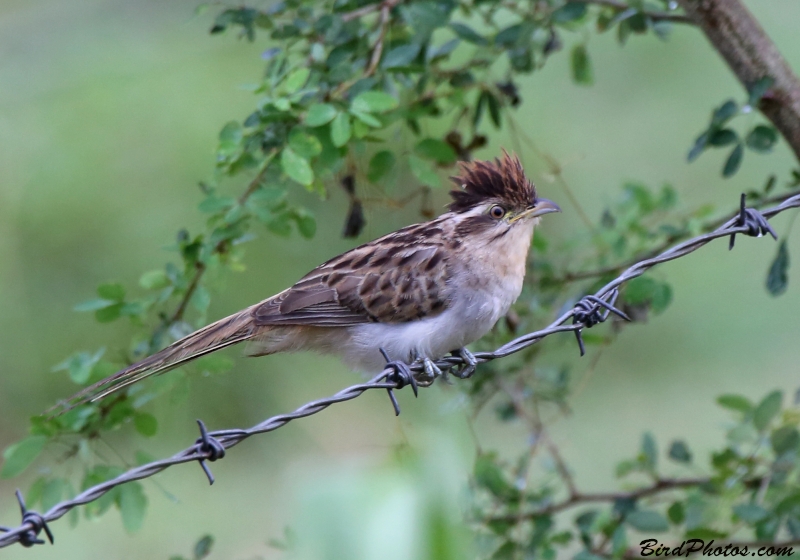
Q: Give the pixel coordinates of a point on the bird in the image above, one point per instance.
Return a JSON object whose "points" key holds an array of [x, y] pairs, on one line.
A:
{"points": [[413, 295]]}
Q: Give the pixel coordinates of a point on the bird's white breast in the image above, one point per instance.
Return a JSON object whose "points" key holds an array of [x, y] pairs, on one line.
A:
{"points": [[486, 282]]}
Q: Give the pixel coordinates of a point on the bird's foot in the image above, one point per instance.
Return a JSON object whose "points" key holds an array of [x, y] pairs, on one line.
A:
{"points": [[432, 371], [401, 375], [466, 369]]}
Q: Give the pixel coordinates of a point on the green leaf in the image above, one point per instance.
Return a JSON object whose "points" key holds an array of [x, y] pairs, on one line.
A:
{"points": [[778, 276], [296, 79], [423, 171], [767, 409], [785, 438], [570, 11], [581, 65], [203, 547], [229, 138], [154, 280], [733, 162], [676, 513], [374, 102], [132, 504], [80, 365], [114, 292], [758, 89], [93, 305], [340, 130], [296, 167], [18, 456], [379, 165], [724, 113], [647, 521], [750, 513], [320, 114], [679, 451], [108, 314], [735, 402], [401, 56], [762, 138], [306, 224], [649, 451], [468, 34], [699, 145], [489, 475], [145, 423], [723, 137], [367, 118], [645, 290], [437, 150], [52, 492], [304, 144]]}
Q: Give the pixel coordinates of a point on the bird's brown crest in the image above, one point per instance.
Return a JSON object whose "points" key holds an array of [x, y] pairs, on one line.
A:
{"points": [[502, 179]]}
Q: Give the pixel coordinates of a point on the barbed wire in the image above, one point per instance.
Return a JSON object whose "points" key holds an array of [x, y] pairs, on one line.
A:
{"points": [[211, 446]]}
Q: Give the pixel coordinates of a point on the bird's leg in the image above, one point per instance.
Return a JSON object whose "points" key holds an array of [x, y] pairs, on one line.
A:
{"points": [[431, 369], [470, 362]]}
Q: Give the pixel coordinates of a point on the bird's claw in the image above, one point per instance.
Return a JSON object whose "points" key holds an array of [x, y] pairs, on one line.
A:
{"points": [[466, 369], [431, 369]]}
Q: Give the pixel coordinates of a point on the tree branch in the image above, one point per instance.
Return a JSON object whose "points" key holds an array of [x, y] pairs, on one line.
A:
{"points": [[752, 55]]}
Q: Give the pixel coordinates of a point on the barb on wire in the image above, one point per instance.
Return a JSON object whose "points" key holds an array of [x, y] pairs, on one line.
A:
{"points": [[212, 445], [755, 222], [588, 313]]}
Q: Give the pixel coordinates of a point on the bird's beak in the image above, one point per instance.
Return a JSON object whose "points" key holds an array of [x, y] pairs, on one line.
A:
{"points": [[543, 206]]}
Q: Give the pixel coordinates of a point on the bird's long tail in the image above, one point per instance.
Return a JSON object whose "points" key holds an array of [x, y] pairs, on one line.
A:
{"points": [[231, 330]]}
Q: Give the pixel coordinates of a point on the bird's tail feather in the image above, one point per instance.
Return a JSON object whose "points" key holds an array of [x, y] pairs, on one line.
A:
{"points": [[221, 334]]}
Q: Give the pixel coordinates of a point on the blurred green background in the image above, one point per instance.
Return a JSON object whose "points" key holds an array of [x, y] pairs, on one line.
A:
{"points": [[109, 114]]}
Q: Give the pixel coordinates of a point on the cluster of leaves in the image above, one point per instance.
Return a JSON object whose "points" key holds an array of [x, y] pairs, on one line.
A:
{"points": [[760, 139], [750, 494], [373, 92]]}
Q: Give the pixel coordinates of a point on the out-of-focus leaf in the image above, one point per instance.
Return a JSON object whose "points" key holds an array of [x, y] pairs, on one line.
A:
{"points": [[132, 504], [145, 423], [647, 521], [423, 171], [723, 137], [296, 79], [203, 547], [437, 150], [401, 56], [762, 138], [750, 513], [735, 402], [304, 144], [320, 114], [570, 11], [340, 130], [114, 291], [18, 456], [676, 513], [468, 34], [154, 280], [724, 113], [581, 65], [733, 162], [778, 276], [379, 165], [489, 475], [296, 166], [649, 451], [785, 438], [374, 102], [679, 451], [767, 409], [758, 90]]}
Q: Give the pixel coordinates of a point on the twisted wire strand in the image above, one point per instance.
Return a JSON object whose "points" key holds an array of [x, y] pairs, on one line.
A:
{"points": [[384, 380]]}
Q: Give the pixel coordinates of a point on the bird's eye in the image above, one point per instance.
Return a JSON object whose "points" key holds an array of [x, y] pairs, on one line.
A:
{"points": [[497, 212]]}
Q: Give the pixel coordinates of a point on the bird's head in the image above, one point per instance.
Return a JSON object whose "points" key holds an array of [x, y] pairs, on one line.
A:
{"points": [[495, 197]]}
